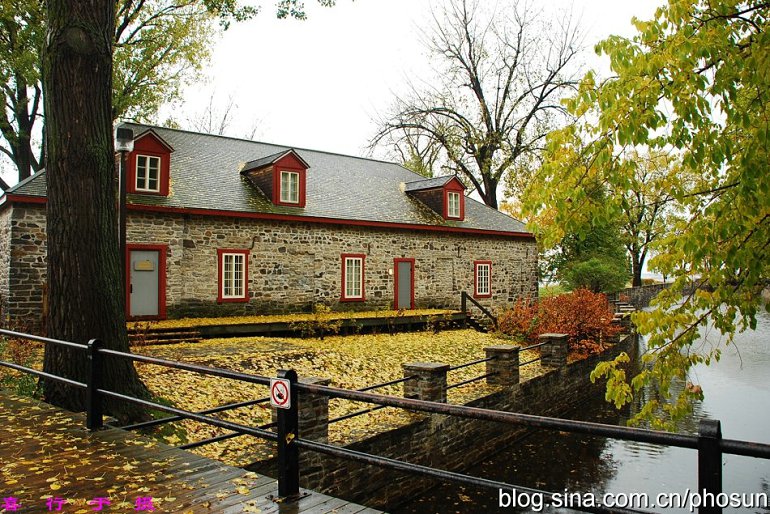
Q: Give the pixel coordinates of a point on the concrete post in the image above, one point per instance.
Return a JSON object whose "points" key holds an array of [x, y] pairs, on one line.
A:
{"points": [[505, 364], [555, 351], [430, 383]]}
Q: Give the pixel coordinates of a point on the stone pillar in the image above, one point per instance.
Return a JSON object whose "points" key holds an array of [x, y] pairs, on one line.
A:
{"points": [[555, 351], [505, 364], [313, 412], [430, 383]]}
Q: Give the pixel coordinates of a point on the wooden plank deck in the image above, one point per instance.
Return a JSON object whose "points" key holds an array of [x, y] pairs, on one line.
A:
{"points": [[46, 454]]}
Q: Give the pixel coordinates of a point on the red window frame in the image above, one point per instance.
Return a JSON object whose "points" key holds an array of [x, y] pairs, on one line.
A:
{"points": [[476, 265], [220, 283], [277, 185], [148, 156], [459, 205], [343, 295]]}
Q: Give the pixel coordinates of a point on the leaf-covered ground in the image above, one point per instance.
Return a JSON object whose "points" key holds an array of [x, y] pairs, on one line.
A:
{"points": [[46, 455], [349, 361], [277, 318]]}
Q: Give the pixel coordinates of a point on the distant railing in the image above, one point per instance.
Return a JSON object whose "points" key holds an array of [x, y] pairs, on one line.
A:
{"points": [[709, 442]]}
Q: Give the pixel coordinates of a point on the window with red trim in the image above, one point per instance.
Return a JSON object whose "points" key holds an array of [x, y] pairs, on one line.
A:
{"points": [[233, 269], [147, 174], [289, 184], [482, 279], [353, 277], [454, 200], [453, 204]]}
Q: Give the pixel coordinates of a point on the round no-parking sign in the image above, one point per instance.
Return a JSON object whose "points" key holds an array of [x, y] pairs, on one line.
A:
{"points": [[280, 393]]}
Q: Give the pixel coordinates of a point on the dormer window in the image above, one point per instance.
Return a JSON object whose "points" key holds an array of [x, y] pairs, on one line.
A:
{"points": [[282, 177], [453, 204], [149, 165], [445, 195], [289, 187], [148, 173]]}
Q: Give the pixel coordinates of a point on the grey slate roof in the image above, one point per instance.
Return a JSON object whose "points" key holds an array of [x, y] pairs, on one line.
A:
{"points": [[205, 174], [267, 161], [428, 183], [33, 185]]}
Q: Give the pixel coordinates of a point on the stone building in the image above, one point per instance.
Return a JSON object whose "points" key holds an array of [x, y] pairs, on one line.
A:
{"points": [[223, 226]]}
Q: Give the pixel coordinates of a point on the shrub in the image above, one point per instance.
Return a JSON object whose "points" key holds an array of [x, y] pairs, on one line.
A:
{"points": [[520, 321], [583, 315], [322, 323], [20, 352], [596, 274]]}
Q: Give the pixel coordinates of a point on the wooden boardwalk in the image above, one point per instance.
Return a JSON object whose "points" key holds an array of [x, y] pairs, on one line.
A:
{"points": [[48, 457]]}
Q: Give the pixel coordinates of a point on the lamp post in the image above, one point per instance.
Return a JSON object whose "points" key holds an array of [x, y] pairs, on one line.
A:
{"points": [[124, 143]]}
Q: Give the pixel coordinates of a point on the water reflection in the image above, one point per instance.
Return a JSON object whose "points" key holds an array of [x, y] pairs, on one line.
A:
{"points": [[737, 392]]}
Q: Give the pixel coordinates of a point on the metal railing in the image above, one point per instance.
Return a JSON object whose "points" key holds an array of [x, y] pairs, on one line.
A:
{"points": [[474, 379], [709, 442], [465, 298], [532, 347]]}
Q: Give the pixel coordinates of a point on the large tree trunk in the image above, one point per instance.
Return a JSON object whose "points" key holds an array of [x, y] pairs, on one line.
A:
{"points": [[637, 264], [84, 284], [489, 195], [22, 145]]}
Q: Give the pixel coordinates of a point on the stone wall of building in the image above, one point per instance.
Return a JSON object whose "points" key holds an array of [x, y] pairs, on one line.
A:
{"points": [[291, 265], [26, 267], [5, 261]]}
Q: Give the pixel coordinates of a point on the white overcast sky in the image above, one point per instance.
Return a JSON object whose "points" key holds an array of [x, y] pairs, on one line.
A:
{"points": [[319, 83]]}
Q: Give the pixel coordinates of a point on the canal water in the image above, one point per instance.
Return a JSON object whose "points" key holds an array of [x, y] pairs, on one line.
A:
{"points": [[737, 392]]}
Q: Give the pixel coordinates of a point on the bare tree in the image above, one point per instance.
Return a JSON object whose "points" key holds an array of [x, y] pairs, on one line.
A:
{"points": [[214, 120], [501, 76], [417, 152]]}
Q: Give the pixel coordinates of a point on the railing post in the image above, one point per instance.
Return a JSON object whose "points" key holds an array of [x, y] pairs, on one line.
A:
{"points": [[288, 432], [312, 412], [709, 465], [430, 384], [504, 364], [464, 308], [555, 350], [94, 412]]}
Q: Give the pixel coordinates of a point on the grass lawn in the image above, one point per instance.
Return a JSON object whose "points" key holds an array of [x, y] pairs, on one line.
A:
{"points": [[349, 361], [551, 290]]}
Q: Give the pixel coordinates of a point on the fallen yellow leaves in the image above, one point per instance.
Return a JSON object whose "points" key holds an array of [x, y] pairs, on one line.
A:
{"points": [[104, 464], [351, 362], [280, 318]]}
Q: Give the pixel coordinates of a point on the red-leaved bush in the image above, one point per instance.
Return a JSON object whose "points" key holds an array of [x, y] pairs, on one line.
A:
{"points": [[584, 316]]}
